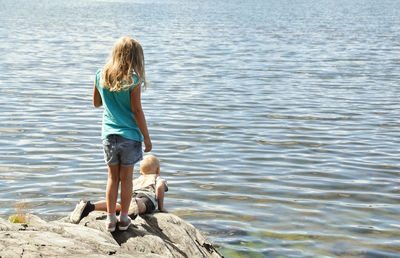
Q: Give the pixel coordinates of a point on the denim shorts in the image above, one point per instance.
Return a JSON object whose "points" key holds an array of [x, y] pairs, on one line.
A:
{"points": [[122, 151]]}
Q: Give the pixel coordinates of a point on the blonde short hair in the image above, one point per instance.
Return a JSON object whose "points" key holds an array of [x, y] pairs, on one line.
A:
{"points": [[149, 164]]}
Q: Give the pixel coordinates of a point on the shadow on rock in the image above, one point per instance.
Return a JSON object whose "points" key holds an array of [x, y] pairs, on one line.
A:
{"points": [[164, 234]]}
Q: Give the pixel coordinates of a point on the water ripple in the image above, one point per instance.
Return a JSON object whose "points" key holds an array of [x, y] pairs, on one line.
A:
{"points": [[277, 128]]}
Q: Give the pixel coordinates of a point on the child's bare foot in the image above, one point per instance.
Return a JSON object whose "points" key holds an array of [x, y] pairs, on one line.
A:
{"points": [[133, 209]]}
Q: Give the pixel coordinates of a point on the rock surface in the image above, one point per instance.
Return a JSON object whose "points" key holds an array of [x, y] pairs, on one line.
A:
{"points": [[154, 235]]}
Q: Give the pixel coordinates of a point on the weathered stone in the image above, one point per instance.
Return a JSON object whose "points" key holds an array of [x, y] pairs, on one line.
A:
{"points": [[155, 235]]}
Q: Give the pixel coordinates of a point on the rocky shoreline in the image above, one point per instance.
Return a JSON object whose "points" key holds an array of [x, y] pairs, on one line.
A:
{"points": [[154, 235]]}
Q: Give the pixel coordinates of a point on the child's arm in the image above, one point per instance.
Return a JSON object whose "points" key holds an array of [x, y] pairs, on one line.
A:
{"points": [[96, 97], [160, 196], [139, 117]]}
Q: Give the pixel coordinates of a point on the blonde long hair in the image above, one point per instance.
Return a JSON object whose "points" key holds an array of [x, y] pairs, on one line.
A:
{"points": [[126, 57]]}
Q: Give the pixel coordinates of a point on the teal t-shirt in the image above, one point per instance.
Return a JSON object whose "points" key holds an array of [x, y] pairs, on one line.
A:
{"points": [[118, 116]]}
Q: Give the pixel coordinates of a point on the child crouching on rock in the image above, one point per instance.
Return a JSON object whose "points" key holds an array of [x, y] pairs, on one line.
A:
{"points": [[147, 193]]}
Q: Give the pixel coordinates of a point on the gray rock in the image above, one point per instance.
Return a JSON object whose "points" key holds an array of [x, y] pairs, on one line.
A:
{"points": [[154, 235]]}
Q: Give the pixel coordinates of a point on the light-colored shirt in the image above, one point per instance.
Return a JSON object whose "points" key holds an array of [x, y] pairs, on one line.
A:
{"points": [[148, 184], [118, 117]]}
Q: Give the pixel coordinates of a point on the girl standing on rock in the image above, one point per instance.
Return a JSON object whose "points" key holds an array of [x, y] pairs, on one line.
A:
{"points": [[117, 87]]}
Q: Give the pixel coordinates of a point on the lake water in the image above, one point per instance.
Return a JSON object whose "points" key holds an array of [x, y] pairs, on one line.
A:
{"points": [[277, 122]]}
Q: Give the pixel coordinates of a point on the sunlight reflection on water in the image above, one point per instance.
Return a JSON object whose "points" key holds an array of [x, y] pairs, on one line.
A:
{"points": [[276, 123]]}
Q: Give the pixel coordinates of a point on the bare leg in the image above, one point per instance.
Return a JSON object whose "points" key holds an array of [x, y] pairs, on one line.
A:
{"points": [[125, 175], [141, 206], [102, 206], [112, 188]]}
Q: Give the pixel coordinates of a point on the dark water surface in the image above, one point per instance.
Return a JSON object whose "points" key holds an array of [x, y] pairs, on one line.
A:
{"points": [[277, 122]]}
